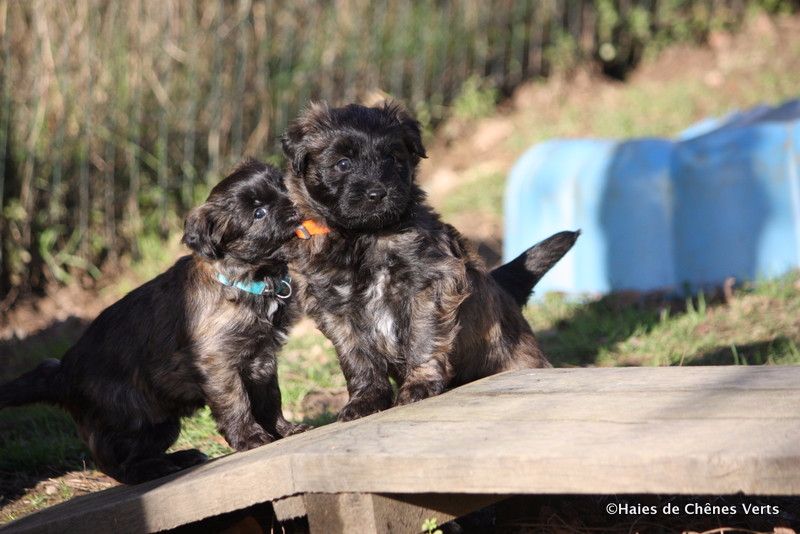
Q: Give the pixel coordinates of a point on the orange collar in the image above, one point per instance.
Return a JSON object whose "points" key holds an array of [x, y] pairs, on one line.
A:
{"points": [[309, 228]]}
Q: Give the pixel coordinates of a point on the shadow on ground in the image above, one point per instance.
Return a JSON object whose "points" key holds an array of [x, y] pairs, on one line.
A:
{"points": [[20, 355], [756, 353], [600, 324], [37, 442], [630, 329]]}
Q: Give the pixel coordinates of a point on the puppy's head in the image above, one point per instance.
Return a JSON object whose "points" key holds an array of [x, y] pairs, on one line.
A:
{"points": [[245, 220], [354, 167]]}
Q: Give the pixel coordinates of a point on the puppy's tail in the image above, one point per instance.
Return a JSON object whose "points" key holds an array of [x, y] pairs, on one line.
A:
{"points": [[39, 385], [520, 275]]}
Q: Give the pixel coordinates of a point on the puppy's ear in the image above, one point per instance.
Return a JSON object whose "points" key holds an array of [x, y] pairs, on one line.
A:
{"points": [[200, 233], [410, 128], [292, 142]]}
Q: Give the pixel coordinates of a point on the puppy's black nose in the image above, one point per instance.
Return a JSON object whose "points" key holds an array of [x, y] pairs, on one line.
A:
{"points": [[376, 194]]}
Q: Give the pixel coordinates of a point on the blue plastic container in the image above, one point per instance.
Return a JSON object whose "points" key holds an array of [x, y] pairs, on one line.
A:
{"points": [[723, 200]]}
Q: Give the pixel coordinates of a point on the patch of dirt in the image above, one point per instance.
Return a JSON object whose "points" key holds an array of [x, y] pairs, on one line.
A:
{"points": [[304, 327], [319, 403], [34, 494], [61, 305]]}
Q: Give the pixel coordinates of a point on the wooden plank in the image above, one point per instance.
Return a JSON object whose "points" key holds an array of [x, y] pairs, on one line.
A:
{"points": [[291, 507], [563, 457], [600, 430], [668, 430], [343, 513], [647, 379], [613, 406], [340, 513]]}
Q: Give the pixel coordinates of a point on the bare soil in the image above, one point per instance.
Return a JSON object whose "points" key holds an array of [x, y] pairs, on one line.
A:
{"points": [[38, 494]]}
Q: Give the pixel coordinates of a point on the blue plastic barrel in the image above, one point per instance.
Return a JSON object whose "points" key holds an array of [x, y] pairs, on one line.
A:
{"points": [[657, 214], [737, 200]]}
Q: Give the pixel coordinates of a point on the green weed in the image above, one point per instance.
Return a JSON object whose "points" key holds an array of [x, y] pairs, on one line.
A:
{"points": [[475, 100], [431, 526], [307, 362], [481, 193], [757, 326]]}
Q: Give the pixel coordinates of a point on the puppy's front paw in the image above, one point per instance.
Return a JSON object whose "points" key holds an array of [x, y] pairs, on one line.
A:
{"points": [[148, 469], [284, 428], [249, 438], [187, 458], [359, 407], [416, 391], [297, 429]]}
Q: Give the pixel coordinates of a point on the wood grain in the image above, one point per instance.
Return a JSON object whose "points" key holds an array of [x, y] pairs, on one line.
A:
{"points": [[700, 430]]}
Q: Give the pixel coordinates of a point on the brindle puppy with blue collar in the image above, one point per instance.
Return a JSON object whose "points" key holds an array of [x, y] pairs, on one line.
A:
{"points": [[398, 292], [207, 331]]}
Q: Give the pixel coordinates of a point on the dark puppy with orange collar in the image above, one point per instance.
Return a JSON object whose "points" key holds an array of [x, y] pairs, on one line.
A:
{"points": [[207, 331], [398, 292]]}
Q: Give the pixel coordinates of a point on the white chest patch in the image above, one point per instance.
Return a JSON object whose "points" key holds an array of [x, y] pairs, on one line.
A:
{"points": [[383, 321], [384, 324]]}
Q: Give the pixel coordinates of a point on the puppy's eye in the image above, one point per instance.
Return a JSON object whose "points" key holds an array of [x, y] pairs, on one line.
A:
{"points": [[260, 213], [343, 165]]}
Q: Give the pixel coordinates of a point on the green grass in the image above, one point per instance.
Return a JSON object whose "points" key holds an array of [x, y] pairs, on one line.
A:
{"points": [[155, 255], [39, 438], [759, 325], [200, 432], [475, 100], [308, 362], [482, 192]]}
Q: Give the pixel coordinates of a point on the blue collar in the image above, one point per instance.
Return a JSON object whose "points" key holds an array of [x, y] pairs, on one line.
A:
{"points": [[280, 287]]}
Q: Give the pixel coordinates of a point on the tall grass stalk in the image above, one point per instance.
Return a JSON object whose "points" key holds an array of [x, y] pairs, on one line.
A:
{"points": [[116, 116]]}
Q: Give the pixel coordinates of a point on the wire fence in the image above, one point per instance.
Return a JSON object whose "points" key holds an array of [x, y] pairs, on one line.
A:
{"points": [[115, 117]]}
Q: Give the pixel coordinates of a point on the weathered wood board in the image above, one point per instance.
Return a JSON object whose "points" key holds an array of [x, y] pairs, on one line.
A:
{"points": [[372, 512], [674, 430]]}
